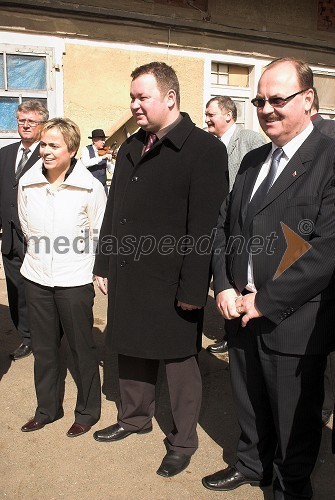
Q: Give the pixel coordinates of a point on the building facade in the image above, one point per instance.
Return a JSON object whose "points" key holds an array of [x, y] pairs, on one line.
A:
{"points": [[77, 58]]}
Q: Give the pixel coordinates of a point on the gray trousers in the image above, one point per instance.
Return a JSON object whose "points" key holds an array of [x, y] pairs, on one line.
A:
{"points": [[138, 377]]}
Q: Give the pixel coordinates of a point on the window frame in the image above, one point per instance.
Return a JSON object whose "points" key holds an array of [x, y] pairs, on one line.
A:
{"points": [[47, 52]]}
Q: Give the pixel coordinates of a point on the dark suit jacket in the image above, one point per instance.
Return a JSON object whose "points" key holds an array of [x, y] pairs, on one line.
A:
{"points": [[298, 306], [8, 192], [173, 190], [327, 127]]}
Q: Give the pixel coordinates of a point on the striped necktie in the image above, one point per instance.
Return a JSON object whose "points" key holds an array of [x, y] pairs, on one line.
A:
{"points": [[150, 140], [22, 162]]}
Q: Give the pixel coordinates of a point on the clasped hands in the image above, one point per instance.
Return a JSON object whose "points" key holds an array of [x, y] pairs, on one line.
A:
{"points": [[231, 304]]}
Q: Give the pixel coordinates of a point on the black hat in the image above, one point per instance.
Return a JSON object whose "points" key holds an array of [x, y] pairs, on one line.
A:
{"points": [[98, 132]]}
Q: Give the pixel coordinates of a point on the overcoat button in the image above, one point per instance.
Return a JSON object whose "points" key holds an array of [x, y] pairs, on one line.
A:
{"points": [[123, 221], [134, 179], [123, 263]]}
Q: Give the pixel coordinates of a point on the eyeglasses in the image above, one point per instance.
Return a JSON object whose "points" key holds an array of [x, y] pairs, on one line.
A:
{"points": [[275, 102], [31, 123]]}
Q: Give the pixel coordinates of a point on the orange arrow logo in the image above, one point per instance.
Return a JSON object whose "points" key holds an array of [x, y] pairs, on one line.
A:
{"points": [[296, 248]]}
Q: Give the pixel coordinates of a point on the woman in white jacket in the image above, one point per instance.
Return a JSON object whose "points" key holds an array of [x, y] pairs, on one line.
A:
{"points": [[61, 206]]}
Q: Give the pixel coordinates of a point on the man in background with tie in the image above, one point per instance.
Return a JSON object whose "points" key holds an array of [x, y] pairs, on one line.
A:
{"points": [[155, 248], [273, 269], [15, 160]]}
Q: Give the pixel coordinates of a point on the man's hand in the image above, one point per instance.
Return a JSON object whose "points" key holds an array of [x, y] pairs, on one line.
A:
{"points": [[101, 284], [246, 306], [187, 307], [226, 303]]}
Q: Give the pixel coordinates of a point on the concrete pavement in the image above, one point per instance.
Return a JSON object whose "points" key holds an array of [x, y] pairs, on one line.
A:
{"points": [[48, 465]]}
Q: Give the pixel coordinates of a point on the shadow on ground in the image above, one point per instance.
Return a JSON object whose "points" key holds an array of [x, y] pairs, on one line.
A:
{"points": [[217, 417]]}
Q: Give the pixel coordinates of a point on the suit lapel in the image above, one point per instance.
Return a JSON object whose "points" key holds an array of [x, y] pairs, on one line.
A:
{"points": [[12, 161], [135, 147], [233, 142], [250, 179], [294, 169]]}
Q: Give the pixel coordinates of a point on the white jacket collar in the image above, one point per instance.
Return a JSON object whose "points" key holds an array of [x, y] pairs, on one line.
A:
{"points": [[80, 177]]}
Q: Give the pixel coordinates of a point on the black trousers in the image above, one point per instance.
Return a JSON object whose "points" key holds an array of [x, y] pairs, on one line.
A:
{"points": [[69, 309], [279, 401], [12, 263], [138, 377]]}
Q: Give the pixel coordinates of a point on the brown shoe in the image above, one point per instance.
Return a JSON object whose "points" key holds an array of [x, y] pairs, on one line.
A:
{"points": [[32, 425], [77, 430]]}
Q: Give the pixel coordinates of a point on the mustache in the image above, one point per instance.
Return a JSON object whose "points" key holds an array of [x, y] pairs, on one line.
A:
{"points": [[272, 118]]}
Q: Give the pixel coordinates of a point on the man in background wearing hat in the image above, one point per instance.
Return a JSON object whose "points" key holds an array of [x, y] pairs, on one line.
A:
{"points": [[95, 163]]}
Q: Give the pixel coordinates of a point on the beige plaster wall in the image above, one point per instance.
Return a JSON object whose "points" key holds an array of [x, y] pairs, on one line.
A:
{"points": [[97, 80]]}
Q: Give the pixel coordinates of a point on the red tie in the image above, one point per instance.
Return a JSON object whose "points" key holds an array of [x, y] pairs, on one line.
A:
{"points": [[151, 139]]}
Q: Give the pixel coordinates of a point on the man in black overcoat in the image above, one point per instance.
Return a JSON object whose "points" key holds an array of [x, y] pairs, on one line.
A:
{"points": [[169, 182], [273, 271], [15, 160]]}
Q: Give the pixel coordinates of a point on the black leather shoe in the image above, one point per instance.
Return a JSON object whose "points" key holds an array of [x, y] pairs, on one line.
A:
{"points": [[77, 429], [115, 433], [21, 352], [326, 414], [230, 479], [173, 463], [218, 348], [32, 425]]}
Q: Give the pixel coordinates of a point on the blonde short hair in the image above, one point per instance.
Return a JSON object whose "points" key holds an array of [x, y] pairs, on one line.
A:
{"points": [[69, 130]]}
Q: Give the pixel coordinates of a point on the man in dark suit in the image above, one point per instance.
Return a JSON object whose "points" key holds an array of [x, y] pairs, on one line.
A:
{"points": [[15, 160], [327, 127], [169, 181], [273, 271]]}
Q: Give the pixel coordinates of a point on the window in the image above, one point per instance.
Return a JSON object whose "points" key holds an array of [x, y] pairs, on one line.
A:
{"points": [[229, 74], [325, 85], [22, 77], [219, 74], [233, 80]]}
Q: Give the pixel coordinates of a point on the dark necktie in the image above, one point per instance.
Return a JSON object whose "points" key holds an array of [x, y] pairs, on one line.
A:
{"points": [[150, 140], [265, 186], [254, 205], [22, 162]]}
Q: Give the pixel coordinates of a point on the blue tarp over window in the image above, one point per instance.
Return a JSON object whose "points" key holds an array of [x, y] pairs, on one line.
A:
{"points": [[8, 107], [25, 73]]}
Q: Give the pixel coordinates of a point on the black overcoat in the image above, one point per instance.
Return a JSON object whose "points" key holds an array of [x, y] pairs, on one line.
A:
{"points": [[173, 190]]}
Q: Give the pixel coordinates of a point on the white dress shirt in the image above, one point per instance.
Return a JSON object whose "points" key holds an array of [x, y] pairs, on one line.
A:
{"points": [[225, 138]]}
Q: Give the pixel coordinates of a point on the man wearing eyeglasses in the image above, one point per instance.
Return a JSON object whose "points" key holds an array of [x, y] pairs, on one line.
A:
{"points": [[15, 160], [273, 268]]}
